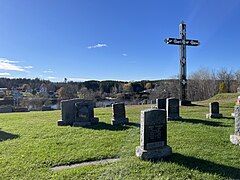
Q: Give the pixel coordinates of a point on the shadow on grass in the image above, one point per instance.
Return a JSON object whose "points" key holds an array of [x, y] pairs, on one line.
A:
{"points": [[227, 118], [204, 166], [6, 136], [204, 122], [198, 105], [133, 124], [105, 126]]}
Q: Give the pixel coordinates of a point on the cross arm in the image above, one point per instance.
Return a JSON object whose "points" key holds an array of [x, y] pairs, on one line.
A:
{"points": [[173, 41], [176, 41], [193, 42]]}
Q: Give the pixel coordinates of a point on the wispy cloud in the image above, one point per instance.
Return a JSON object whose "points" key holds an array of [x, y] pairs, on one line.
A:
{"points": [[4, 74], [51, 77], [48, 71], [78, 79], [9, 65], [99, 45], [28, 67], [124, 54]]}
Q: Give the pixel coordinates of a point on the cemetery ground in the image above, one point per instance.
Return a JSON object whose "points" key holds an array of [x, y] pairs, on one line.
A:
{"points": [[32, 143]]}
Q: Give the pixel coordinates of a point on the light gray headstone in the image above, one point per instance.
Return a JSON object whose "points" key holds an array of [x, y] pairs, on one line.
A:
{"points": [[153, 135], [238, 89], [173, 109], [119, 114], [235, 138]]}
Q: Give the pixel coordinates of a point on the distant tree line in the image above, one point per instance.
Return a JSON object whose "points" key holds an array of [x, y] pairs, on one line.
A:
{"points": [[202, 84], [19, 82]]}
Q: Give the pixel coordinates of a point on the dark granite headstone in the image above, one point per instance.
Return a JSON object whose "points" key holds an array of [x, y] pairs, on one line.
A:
{"points": [[214, 108], [172, 109], [185, 103], [153, 137], [161, 103], [6, 109], [47, 108], [119, 114], [20, 109], [77, 112], [213, 111], [235, 139]]}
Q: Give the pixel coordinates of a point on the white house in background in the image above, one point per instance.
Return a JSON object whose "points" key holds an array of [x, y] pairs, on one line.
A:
{"points": [[108, 101], [238, 89], [43, 91], [27, 88], [43, 88]]}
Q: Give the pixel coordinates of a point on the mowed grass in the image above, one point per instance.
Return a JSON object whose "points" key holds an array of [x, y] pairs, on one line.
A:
{"points": [[32, 143]]}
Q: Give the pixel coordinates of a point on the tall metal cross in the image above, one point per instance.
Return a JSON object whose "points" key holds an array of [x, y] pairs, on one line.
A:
{"points": [[182, 42]]}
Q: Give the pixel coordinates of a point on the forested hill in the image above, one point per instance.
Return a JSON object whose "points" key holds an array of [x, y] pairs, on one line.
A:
{"points": [[105, 86], [202, 84]]}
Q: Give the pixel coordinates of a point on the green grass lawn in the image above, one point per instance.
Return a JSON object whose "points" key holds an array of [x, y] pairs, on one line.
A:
{"points": [[31, 143]]}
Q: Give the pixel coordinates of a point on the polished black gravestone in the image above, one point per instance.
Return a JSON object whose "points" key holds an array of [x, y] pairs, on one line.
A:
{"points": [[153, 135], [214, 111], [161, 103], [173, 109], [119, 114], [77, 112]]}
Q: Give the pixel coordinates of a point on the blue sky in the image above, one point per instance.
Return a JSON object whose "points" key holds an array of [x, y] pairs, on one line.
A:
{"points": [[113, 39]]}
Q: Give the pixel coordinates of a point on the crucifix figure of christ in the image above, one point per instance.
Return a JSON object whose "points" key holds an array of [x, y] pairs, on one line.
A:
{"points": [[183, 42]]}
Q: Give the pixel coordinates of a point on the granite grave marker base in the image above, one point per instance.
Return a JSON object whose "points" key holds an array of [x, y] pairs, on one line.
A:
{"points": [[93, 121], [172, 118], [155, 154], [61, 123], [211, 115], [123, 121], [185, 103]]}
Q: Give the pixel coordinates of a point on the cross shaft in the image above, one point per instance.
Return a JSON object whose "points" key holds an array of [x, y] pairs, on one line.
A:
{"points": [[182, 42]]}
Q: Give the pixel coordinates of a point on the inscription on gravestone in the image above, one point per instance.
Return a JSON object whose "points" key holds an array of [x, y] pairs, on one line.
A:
{"points": [[153, 137], [82, 112], [157, 136]]}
